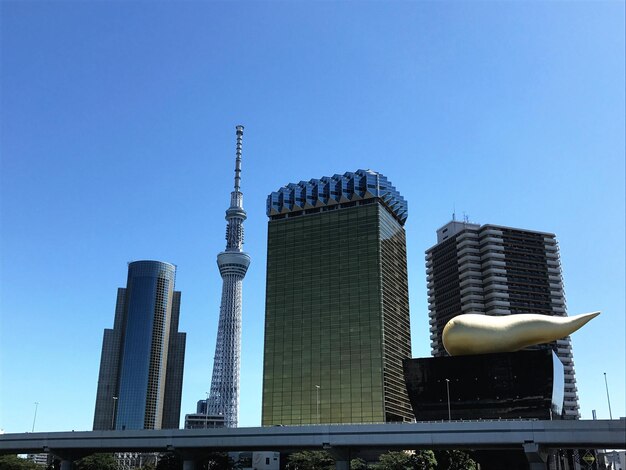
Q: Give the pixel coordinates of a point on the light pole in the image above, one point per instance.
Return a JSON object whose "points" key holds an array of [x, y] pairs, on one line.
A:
{"points": [[448, 390], [606, 384], [113, 415], [317, 392], [206, 411], [35, 417]]}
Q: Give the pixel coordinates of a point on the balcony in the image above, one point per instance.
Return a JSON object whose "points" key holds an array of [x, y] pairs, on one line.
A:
{"points": [[496, 296], [472, 288], [494, 271], [496, 256], [466, 274], [476, 298], [489, 261], [498, 311], [491, 232], [466, 241], [472, 306]]}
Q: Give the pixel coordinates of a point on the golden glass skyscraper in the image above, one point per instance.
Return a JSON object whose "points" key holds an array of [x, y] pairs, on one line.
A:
{"points": [[337, 310]]}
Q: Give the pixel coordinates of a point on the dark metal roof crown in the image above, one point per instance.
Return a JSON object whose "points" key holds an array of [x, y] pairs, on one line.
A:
{"points": [[337, 190]]}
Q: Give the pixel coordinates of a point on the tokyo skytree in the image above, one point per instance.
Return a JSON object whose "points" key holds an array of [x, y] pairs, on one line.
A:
{"points": [[233, 263]]}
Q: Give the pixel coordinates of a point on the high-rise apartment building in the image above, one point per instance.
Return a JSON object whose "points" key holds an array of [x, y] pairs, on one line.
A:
{"points": [[233, 264], [337, 307], [495, 270], [141, 367]]}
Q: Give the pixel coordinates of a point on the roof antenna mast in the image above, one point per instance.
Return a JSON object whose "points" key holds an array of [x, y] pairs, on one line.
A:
{"points": [[238, 156]]}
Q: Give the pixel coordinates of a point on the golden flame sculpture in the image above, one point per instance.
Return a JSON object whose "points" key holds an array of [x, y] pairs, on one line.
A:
{"points": [[483, 334]]}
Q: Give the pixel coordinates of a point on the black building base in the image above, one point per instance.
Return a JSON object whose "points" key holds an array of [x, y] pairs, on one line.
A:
{"points": [[522, 384]]}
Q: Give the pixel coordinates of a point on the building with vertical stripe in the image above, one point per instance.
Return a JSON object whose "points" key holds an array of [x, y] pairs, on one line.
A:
{"points": [[495, 270], [141, 367], [337, 307]]}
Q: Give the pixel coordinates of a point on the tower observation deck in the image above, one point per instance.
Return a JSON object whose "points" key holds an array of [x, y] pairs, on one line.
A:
{"points": [[233, 263]]}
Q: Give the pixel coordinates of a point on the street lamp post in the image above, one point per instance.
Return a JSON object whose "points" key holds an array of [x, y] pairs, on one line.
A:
{"points": [[606, 384], [317, 392], [35, 417], [448, 390], [113, 414]]}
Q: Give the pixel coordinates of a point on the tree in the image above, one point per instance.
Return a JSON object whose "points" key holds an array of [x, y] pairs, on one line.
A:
{"points": [[394, 461], [218, 461], [455, 460], [54, 465], [420, 460], [13, 462], [358, 464], [169, 461], [97, 462], [310, 460], [425, 460]]}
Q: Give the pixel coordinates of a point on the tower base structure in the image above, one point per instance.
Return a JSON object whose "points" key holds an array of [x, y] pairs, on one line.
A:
{"points": [[517, 385]]}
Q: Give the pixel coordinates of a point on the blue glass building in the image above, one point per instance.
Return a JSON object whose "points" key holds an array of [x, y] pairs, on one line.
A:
{"points": [[141, 368]]}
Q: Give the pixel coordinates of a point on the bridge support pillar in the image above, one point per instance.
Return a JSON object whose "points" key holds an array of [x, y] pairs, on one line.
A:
{"points": [[189, 464], [537, 456], [190, 459], [66, 457], [66, 464], [342, 465], [341, 456]]}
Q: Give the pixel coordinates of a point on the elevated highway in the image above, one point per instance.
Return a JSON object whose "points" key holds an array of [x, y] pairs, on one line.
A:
{"points": [[535, 438]]}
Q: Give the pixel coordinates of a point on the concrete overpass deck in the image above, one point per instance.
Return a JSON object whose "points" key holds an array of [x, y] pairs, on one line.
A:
{"points": [[534, 437]]}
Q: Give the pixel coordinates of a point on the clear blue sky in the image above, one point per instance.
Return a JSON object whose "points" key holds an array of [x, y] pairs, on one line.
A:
{"points": [[117, 144]]}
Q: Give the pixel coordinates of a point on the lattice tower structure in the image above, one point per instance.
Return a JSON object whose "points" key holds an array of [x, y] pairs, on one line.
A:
{"points": [[233, 264]]}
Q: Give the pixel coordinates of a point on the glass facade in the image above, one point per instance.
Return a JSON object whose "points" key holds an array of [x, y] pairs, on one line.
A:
{"points": [[517, 385], [337, 317], [149, 295], [140, 379]]}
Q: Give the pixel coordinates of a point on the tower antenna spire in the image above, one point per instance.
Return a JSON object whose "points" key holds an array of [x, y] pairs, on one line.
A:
{"points": [[238, 156], [233, 262]]}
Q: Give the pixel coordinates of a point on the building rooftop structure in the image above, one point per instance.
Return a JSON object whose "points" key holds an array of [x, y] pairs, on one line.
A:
{"points": [[203, 421], [331, 192]]}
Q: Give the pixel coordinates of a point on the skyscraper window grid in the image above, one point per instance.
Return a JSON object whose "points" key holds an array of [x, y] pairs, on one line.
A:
{"points": [[497, 270], [140, 380], [336, 317]]}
